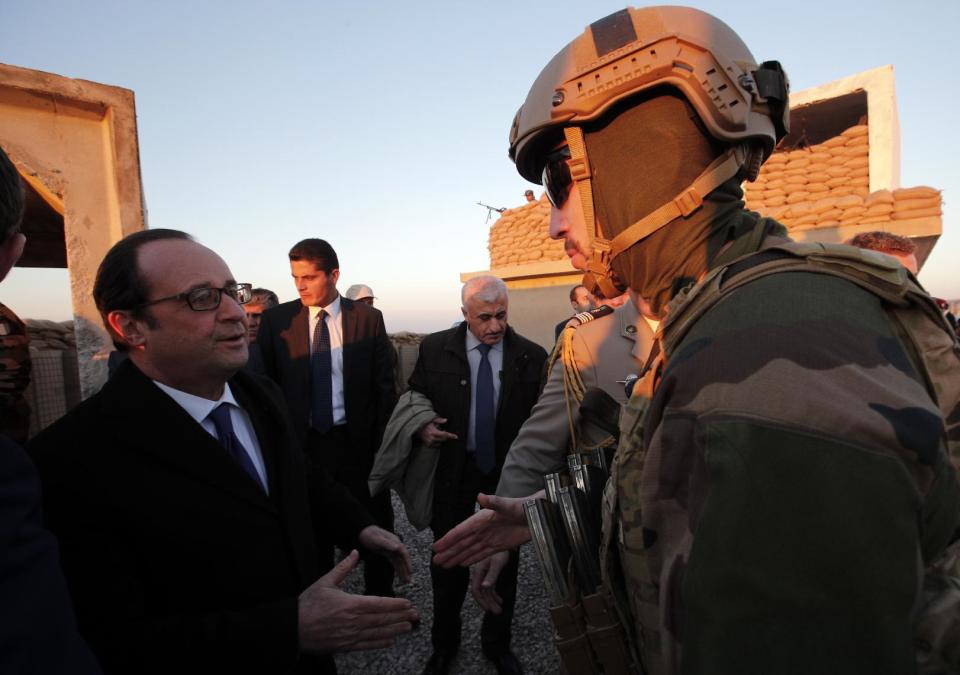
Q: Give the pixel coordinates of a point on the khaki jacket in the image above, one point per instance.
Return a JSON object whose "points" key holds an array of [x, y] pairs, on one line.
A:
{"points": [[404, 463], [606, 350]]}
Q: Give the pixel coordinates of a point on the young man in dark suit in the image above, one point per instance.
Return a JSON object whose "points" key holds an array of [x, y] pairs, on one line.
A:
{"points": [[482, 379], [185, 514], [334, 363]]}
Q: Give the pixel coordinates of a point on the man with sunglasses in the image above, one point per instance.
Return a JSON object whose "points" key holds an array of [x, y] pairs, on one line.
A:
{"points": [[186, 516], [785, 430]]}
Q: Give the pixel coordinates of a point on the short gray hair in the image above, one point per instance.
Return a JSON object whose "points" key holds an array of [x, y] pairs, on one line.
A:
{"points": [[265, 297], [487, 288]]}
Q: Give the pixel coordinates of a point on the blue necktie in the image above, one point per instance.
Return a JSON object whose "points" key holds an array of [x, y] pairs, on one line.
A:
{"points": [[321, 364], [485, 414], [221, 422]]}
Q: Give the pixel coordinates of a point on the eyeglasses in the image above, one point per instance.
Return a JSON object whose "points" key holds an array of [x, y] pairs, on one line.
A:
{"points": [[205, 299], [556, 176]]}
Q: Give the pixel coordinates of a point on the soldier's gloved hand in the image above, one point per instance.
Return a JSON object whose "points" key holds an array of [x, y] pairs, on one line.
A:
{"points": [[499, 526], [431, 434], [483, 581]]}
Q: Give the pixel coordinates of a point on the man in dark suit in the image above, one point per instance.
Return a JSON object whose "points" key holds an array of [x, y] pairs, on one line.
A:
{"points": [[335, 365], [482, 379], [38, 631], [581, 300], [185, 515]]}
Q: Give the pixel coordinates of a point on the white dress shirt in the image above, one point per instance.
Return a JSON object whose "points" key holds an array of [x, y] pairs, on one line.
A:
{"points": [[495, 356], [335, 328], [200, 408]]}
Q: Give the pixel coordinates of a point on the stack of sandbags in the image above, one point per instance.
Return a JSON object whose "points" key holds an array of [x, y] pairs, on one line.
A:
{"points": [[881, 206], [916, 202], [521, 235], [54, 335], [827, 185], [838, 167]]}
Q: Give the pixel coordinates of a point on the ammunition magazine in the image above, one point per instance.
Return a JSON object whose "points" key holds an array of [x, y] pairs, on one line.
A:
{"points": [[584, 542], [566, 532], [553, 482], [551, 547]]}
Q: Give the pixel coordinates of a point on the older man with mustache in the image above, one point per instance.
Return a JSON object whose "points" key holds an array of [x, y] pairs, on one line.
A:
{"points": [[481, 379]]}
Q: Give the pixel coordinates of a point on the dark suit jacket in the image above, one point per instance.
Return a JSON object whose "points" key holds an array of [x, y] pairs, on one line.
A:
{"points": [[442, 374], [177, 561], [37, 625], [254, 359], [368, 368]]}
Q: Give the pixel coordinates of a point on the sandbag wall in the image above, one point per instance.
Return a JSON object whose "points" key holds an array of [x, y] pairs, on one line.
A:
{"points": [[521, 236], [827, 185]]}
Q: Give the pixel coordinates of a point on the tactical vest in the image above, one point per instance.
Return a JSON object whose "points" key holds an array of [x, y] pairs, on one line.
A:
{"points": [[932, 347]]}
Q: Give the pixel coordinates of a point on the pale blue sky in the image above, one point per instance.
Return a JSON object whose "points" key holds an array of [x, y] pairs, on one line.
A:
{"points": [[378, 125]]}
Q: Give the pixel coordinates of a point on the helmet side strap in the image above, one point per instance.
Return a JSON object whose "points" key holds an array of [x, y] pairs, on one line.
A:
{"points": [[598, 269], [722, 169], [580, 172]]}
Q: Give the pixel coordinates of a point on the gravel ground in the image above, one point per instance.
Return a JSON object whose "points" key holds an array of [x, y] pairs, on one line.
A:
{"points": [[532, 631]]}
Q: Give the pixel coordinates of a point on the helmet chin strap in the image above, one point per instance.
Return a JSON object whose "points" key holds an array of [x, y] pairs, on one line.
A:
{"points": [[599, 276]]}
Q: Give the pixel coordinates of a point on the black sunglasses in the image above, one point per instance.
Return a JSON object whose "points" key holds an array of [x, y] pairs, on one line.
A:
{"points": [[205, 299], [556, 176]]}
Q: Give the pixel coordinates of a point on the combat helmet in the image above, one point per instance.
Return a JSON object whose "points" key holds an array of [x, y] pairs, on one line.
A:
{"points": [[632, 51]]}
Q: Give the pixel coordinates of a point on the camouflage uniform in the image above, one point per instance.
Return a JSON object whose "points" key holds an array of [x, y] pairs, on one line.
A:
{"points": [[782, 490], [779, 493], [14, 375]]}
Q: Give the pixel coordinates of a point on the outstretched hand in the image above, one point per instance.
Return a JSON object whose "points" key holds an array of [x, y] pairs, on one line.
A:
{"points": [[500, 525], [333, 621]]}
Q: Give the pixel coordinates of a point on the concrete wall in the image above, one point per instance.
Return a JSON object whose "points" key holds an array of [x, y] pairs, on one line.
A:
{"points": [[75, 143], [881, 109], [535, 312]]}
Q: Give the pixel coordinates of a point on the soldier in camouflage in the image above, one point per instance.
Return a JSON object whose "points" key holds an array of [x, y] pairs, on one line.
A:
{"points": [[783, 478]]}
